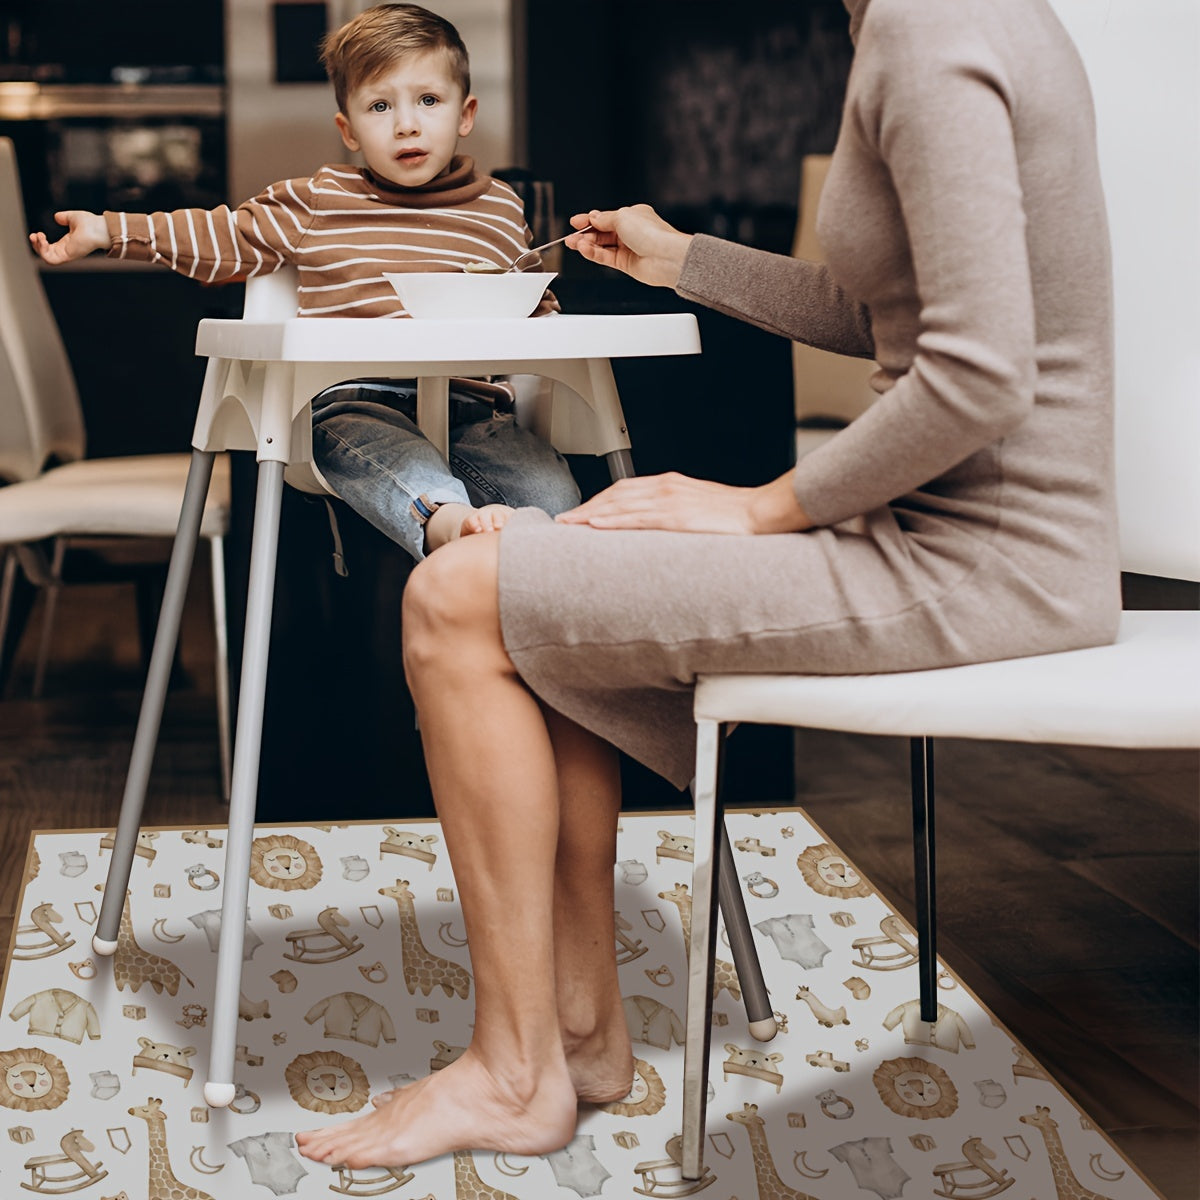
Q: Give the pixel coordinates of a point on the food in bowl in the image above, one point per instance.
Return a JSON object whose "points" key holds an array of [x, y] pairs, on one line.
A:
{"points": [[484, 268], [462, 295]]}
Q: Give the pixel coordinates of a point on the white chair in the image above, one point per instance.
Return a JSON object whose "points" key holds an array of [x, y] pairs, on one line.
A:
{"points": [[41, 424], [262, 373], [1143, 692], [829, 390]]}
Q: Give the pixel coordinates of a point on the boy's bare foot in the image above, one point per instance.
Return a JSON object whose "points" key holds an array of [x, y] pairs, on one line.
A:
{"points": [[462, 1107], [491, 518], [452, 521]]}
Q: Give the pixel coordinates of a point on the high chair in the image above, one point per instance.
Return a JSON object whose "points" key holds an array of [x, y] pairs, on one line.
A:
{"points": [[263, 371]]}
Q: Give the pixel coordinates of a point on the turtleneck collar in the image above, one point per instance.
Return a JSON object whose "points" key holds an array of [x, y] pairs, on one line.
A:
{"points": [[857, 10], [457, 184]]}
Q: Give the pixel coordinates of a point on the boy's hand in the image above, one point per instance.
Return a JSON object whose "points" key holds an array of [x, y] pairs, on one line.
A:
{"points": [[86, 232]]}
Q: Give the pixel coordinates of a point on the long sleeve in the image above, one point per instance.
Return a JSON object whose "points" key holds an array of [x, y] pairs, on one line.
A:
{"points": [[93, 1023], [935, 112], [677, 1030], [223, 243], [317, 1010], [797, 299], [385, 1025], [25, 1006]]}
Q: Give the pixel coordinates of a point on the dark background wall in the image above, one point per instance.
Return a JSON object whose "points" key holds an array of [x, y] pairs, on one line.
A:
{"points": [[705, 117]]}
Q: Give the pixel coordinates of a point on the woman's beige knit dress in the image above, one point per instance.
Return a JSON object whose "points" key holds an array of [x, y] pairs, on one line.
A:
{"points": [[969, 514]]}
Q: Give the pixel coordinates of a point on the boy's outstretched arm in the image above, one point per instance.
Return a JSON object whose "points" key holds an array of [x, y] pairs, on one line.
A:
{"points": [[86, 232]]}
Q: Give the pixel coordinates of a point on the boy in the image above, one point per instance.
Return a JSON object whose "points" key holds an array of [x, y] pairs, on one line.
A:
{"points": [[401, 77]]}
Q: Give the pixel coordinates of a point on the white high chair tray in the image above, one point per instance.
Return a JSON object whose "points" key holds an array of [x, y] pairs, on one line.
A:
{"points": [[449, 344]]}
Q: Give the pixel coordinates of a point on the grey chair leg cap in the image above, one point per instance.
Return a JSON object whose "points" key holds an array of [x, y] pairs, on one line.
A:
{"points": [[764, 1031]]}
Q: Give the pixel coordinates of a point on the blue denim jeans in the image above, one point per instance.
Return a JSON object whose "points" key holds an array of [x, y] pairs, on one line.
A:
{"points": [[367, 445]]}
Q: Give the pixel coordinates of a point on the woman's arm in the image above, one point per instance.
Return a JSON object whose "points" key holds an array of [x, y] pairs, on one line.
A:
{"points": [[788, 296], [792, 297], [931, 100]]}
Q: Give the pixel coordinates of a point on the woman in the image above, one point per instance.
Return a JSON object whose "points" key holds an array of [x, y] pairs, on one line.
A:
{"points": [[967, 516]]}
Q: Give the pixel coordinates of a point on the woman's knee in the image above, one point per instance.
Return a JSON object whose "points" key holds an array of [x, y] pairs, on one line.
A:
{"points": [[451, 603]]}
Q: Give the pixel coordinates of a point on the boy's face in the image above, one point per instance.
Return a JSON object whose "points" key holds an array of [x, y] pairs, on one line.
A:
{"points": [[408, 120]]}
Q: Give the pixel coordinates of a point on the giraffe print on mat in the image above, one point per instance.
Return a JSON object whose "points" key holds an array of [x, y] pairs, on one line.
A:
{"points": [[422, 968], [724, 976], [1065, 1183], [770, 1186], [162, 1183], [468, 1185], [133, 966]]}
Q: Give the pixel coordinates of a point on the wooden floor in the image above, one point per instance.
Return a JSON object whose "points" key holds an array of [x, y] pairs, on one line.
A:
{"points": [[1067, 880]]}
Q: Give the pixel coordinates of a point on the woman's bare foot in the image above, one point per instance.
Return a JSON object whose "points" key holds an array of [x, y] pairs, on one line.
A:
{"points": [[600, 1067], [600, 1062], [462, 1107]]}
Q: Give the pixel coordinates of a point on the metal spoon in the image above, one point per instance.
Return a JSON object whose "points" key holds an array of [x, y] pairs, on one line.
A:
{"points": [[481, 269]]}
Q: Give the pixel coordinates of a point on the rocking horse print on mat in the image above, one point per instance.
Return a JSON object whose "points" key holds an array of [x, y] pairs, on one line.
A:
{"points": [[70, 1171], [325, 944], [974, 1178], [41, 939]]}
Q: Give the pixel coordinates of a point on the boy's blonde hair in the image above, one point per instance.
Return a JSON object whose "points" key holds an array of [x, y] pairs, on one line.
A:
{"points": [[379, 37]]}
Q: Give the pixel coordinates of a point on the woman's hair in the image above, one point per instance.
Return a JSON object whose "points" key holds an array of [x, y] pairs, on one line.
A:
{"points": [[378, 38]]}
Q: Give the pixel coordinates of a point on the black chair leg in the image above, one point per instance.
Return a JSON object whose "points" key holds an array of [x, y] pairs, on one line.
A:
{"points": [[921, 762], [759, 1015]]}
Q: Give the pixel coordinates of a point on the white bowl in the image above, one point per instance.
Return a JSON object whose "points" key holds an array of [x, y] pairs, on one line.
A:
{"points": [[441, 295]]}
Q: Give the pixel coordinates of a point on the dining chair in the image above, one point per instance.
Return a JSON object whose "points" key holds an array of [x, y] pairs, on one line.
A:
{"points": [[247, 404], [50, 491], [1142, 692]]}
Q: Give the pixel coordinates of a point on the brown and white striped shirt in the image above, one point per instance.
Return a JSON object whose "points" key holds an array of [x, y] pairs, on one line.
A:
{"points": [[342, 228]]}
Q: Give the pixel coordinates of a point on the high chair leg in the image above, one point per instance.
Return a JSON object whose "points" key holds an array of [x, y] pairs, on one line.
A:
{"points": [[220, 1090], [162, 657], [221, 634]]}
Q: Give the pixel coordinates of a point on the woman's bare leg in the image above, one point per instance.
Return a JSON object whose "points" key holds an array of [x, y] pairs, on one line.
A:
{"points": [[590, 1017], [492, 769], [591, 1020]]}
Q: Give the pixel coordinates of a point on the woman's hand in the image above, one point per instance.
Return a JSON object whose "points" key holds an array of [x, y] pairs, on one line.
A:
{"points": [[86, 232], [634, 240], [686, 505]]}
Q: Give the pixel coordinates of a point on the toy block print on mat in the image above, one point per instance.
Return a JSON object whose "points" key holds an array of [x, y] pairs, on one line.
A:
{"points": [[357, 979]]}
